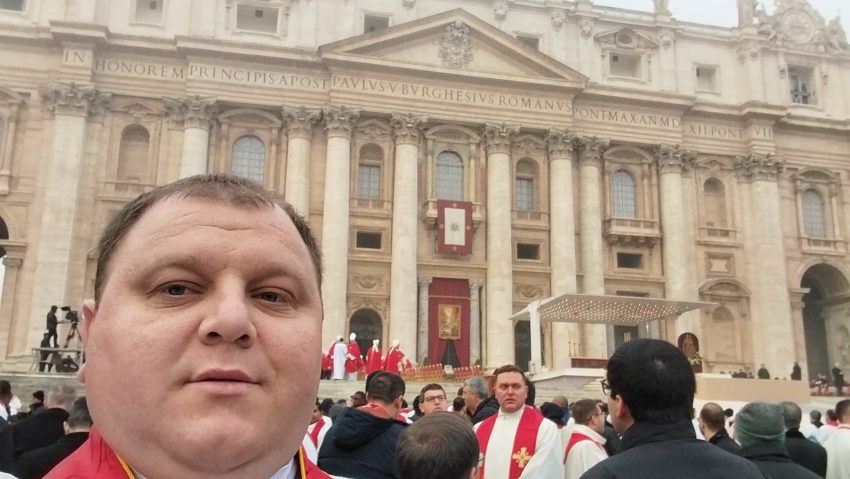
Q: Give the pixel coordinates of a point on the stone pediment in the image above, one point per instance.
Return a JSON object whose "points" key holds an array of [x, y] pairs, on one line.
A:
{"points": [[627, 39], [454, 42]]}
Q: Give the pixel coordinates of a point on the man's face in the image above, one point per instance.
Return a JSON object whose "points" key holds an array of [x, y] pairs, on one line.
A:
{"points": [[434, 400], [317, 414], [470, 399], [511, 391], [209, 326], [597, 421]]}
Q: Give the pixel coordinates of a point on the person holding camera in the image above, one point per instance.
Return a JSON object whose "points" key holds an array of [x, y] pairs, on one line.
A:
{"points": [[52, 323]]}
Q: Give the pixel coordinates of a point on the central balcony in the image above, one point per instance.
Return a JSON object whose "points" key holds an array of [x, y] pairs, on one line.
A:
{"points": [[631, 231]]}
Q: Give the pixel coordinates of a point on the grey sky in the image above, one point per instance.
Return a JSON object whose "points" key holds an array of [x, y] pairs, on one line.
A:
{"points": [[725, 12]]}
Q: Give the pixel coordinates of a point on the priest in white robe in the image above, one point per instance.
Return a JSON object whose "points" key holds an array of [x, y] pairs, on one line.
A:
{"points": [[340, 354], [518, 442]]}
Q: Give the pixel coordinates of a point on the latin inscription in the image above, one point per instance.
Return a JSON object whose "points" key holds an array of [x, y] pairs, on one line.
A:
{"points": [[73, 56]]}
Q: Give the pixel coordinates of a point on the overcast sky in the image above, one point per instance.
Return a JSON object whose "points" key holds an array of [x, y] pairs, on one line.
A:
{"points": [[725, 12]]}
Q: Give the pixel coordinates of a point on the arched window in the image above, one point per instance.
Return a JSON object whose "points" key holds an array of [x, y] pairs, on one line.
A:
{"points": [[623, 195], [814, 219], [449, 176], [715, 203], [369, 171], [133, 154], [525, 173], [249, 158]]}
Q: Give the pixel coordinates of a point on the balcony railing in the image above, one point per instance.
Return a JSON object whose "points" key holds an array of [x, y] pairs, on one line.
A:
{"points": [[822, 244], [631, 230], [530, 216], [718, 234], [371, 204], [124, 189]]}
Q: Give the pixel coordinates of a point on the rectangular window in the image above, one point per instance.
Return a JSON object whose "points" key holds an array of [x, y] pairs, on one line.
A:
{"points": [[369, 181], [254, 18], [524, 194], [148, 11], [629, 260], [706, 78], [368, 240], [532, 42], [624, 65], [800, 80], [373, 23], [528, 251], [14, 5]]}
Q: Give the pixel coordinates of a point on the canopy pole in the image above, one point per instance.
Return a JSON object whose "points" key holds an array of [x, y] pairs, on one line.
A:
{"points": [[536, 348]]}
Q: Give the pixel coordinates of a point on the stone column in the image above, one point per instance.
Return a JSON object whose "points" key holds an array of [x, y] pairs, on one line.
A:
{"points": [[562, 246], [7, 147], [474, 321], [678, 275], [299, 122], [797, 306], [594, 336], [407, 130], [196, 115], [770, 300], [500, 334], [422, 337], [339, 124], [70, 105], [13, 330]]}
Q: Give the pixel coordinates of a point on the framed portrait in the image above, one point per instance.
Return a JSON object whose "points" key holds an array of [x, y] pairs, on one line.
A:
{"points": [[449, 321]]}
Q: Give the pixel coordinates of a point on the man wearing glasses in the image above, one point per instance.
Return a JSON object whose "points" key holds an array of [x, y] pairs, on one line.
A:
{"points": [[650, 388], [432, 399]]}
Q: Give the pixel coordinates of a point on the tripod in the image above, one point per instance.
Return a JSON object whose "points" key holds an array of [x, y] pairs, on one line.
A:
{"points": [[73, 332]]}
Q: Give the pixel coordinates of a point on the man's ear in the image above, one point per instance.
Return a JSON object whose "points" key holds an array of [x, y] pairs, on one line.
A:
{"points": [[623, 411], [89, 312]]}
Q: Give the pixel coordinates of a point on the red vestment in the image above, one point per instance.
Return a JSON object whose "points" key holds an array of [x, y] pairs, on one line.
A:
{"points": [[95, 459], [354, 362], [373, 360], [525, 440], [394, 357]]}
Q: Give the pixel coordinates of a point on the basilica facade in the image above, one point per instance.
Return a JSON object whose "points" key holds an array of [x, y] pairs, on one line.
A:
{"points": [[457, 160]]}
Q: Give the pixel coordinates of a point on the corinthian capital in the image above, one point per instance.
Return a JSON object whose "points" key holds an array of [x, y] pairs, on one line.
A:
{"points": [[300, 121], [407, 128], [591, 150], [673, 158], [759, 166], [498, 138], [191, 111], [340, 121], [561, 144], [73, 99]]}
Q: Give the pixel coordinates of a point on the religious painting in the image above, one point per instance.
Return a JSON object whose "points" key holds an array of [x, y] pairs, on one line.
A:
{"points": [[689, 345], [449, 317]]}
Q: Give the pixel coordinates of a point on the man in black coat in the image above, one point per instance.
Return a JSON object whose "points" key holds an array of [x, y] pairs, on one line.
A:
{"points": [[47, 427], [479, 403], [36, 464], [52, 323], [362, 441], [650, 387], [760, 428], [808, 454], [712, 425]]}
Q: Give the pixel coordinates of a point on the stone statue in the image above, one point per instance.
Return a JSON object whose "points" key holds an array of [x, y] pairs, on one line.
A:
{"points": [[766, 26], [661, 7], [746, 12], [835, 35]]}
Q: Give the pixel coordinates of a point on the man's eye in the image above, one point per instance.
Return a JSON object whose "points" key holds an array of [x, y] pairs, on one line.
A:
{"points": [[270, 297], [175, 289]]}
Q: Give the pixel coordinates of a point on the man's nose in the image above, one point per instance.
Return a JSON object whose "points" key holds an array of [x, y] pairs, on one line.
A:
{"points": [[228, 319]]}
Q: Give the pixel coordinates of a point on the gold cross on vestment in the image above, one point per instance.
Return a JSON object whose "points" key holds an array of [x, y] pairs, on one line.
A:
{"points": [[521, 457]]}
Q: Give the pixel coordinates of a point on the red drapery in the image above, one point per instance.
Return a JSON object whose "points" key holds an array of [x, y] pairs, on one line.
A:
{"points": [[448, 292]]}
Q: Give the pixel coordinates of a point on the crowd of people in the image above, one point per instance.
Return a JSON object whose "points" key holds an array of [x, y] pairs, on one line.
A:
{"points": [[219, 377]]}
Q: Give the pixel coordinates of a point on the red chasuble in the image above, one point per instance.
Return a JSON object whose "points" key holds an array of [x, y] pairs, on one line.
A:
{"points": [[394, 356], [576, 438], [353, 365], [373, 360], [95, 459], [525, 440]]}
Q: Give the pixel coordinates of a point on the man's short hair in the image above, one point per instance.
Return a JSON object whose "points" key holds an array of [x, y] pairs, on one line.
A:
{"points": [[478, 386], [39, 395], [508, 368], [831, 415], [842, 409], [713, 416], [222, 188], [438, 445], [385, 387], [815, 415], [582, 411], [654, 379], [430, 387], [325, 406], [78, 416], [792, 414], [61, 396]]}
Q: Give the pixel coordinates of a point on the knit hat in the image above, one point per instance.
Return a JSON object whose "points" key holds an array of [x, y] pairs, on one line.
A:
{"points": [[760, 423]]}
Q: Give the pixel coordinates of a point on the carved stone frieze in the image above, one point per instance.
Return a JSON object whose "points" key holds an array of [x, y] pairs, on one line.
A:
{"points": [[497, 138], [374, 130], [674, 159], [300, 121], [628, 39], [560, 143], [759, 166], [355, 303], [408, 4], [795, 25], [369, 282], [586, 27], [407, 128], [340, 121], [527, 144], [528, 292], [456, 45], [136, 108], [191, 111], [557, 17], [74, 99], [591, 149]]}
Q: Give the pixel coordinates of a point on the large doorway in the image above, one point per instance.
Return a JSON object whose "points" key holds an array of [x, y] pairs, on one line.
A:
{"points": [[825, 319], [522, 344], [366, 324]]}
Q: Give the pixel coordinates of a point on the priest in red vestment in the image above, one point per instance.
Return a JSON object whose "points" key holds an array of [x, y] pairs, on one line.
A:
{"points": [[374, 361], [393, 364], [354, 360]]}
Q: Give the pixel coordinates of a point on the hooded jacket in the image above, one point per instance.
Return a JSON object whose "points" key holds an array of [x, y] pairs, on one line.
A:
{"points": [[361, 444]]}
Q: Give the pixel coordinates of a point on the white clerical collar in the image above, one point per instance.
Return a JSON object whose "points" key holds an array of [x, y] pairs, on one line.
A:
{"points": [[514, 414], [286, 472]]}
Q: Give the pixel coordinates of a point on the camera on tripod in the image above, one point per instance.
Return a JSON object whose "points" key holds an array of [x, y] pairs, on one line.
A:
{"points": [[71, 315]]}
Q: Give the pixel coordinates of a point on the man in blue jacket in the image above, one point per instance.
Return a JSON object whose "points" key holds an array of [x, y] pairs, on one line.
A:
{"points": [[361, 443]]}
